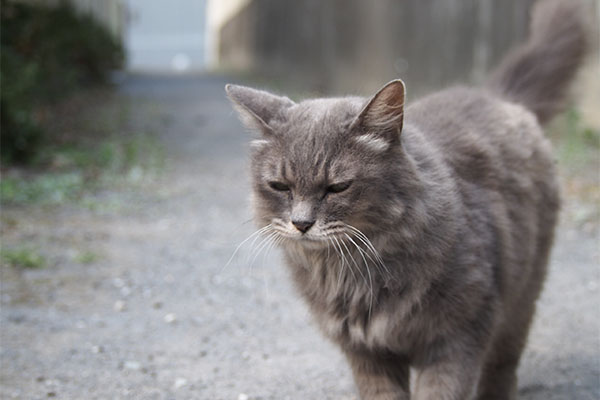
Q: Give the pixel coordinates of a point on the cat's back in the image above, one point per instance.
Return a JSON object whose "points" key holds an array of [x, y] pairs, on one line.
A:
{"points": [[503, 169], [485, 140]]}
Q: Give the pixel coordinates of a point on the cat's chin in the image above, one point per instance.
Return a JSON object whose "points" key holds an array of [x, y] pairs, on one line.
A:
{"points": [[311, 244]]}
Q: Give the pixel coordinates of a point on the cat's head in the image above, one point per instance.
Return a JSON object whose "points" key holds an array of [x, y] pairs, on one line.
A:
{"points": [[324, 167]]}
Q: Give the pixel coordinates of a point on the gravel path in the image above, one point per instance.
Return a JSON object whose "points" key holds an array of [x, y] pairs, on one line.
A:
{"points": [[161, 316]]}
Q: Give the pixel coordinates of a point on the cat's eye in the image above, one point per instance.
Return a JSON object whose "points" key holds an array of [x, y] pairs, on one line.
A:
{"points": [[279, 186], [338, 187]]}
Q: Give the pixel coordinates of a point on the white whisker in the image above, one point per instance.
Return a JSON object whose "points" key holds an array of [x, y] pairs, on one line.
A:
{"points": [[273, 244], [370, 284], [255, 234], [365, 240], [262, 245], [376, 260], [343, 257], [353, 260], [341, 267], [363, 253]]}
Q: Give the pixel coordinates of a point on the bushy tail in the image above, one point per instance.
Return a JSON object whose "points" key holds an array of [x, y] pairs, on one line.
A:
{"points": [[538, 73]]}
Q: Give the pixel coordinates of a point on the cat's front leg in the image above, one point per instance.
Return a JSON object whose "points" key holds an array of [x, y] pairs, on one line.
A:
{"points": [[454, 379], [380, 377]]}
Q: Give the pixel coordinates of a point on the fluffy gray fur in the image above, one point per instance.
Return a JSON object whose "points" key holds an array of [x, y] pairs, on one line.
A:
{"points": [[420, 237]]}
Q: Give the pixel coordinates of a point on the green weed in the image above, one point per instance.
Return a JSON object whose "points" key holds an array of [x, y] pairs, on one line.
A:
{"points": [[23, 258], [44, 189], [87, 257], [577, 145], [47, 53], [76, 170]]}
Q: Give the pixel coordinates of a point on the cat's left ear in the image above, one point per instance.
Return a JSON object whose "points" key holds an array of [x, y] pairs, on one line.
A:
{"points": [[382, 118], [257, 108]]}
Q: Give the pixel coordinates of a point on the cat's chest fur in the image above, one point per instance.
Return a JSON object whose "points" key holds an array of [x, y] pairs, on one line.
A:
{"points": [[358, 308], [419, 297]]}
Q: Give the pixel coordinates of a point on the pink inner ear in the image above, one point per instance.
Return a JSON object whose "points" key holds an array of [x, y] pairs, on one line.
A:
{"points": [[393, 97], [386, 108]]}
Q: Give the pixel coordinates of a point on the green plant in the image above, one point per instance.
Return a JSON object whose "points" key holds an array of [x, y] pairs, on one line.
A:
{"points": [[577, 144], [44, 189], [19, 132], [77, 168], [87, 257], [23, 257], [47, 52]]}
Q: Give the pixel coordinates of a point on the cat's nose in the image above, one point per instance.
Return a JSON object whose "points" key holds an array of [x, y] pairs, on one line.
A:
{"points": [[303, 226]]}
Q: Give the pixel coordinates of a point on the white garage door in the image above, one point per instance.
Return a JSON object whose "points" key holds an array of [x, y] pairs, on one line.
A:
{"points": [[166, 35]]}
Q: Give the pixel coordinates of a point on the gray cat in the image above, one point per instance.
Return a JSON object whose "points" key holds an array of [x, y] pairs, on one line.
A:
{"points": [[420, 237]]}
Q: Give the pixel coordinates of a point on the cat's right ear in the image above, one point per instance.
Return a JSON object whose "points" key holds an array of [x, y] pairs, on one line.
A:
{"points": [[257, 108], [382, 117]]}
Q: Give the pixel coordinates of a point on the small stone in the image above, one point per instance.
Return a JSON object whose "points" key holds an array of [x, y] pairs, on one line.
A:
{"points": [[243, 396], [51, 394], [120, 306], [16, 318], [132, 365], [118, 283], [170, 318], [97, 349], [179, 383], [136, 173], [157, 305]]}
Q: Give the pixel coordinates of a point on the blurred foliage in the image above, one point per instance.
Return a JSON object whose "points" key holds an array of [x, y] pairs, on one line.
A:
{"points": [[23, 257], [91, 145], [87, 257], [47, 53], [75, 170], [577, 144], [577, 147], [51, 188]]}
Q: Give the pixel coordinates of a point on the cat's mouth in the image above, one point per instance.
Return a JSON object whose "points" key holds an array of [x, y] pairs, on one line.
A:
{"points": [[314, 238], [335, 235], [309, 240], [312, 242], [343, 239]]}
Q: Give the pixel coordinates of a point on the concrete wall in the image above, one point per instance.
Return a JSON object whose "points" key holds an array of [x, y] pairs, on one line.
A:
{"points": [[355, 46], [218, 12]]}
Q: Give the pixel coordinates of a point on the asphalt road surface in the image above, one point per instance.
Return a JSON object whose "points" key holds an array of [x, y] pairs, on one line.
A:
{"points": [[162, 316]]}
